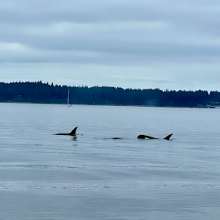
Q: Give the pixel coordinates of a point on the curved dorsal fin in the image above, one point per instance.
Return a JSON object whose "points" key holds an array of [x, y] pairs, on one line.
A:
{"points": [[73, 132], [168, 137]]}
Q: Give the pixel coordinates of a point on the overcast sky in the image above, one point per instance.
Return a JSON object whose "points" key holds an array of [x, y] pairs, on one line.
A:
{"points": [[166, 44]]}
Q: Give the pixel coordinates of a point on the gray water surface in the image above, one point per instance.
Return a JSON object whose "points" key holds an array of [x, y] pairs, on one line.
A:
{"points": [[44, 176]]}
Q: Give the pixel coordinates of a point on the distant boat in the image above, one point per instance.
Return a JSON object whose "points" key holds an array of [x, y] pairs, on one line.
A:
{"points": [[68, 99], [210, 106]]}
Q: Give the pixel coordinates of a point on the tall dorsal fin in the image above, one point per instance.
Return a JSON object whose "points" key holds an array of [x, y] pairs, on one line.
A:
{"points": [[168, 137], [73, 132]]}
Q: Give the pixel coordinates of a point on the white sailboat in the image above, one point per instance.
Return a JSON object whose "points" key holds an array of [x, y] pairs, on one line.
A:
{"points": [[68, 99]]}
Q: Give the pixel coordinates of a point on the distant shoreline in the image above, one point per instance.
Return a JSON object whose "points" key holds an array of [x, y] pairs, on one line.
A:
{"points": [[43, 93], [142, 106]]}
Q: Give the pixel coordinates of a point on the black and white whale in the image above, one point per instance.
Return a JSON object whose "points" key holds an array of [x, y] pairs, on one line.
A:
{"points": [[72, 133], [142, 136]]}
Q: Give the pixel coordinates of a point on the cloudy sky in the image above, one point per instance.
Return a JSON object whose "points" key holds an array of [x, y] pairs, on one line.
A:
{"points": [[166, 44]]}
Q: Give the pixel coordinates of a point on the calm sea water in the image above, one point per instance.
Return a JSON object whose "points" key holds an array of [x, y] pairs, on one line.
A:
{"points": [[44, 176]]}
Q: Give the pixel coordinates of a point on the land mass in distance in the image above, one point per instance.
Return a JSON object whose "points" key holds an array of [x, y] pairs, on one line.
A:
{"points": [[38, 92]]}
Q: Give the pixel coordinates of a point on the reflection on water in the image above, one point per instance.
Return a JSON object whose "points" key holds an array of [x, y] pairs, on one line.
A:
{"points": [[44, 176]]}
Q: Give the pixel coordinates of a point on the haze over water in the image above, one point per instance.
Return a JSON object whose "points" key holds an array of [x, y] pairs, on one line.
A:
{"points": [[44, 176]]}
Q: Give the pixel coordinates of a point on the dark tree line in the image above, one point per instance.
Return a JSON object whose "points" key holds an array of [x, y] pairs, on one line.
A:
{"points": [[38, 92]]}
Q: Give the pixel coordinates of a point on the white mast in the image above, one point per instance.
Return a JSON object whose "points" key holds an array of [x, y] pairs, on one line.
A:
{"points": [[68, 99]]}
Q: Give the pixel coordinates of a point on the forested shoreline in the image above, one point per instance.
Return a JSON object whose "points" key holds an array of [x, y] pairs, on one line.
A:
{"points": [[38, 92]]}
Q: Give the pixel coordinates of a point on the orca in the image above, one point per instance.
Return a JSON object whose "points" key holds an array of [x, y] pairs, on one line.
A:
{"points": [[114, 138], [142, 136], [72, 133]]}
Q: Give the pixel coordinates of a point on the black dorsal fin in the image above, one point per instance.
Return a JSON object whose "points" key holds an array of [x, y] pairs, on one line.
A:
{"points": [[73, 132], [168, 137]]}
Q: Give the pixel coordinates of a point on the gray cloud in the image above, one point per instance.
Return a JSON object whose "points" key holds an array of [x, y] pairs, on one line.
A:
{"points": [[113, 34]]}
